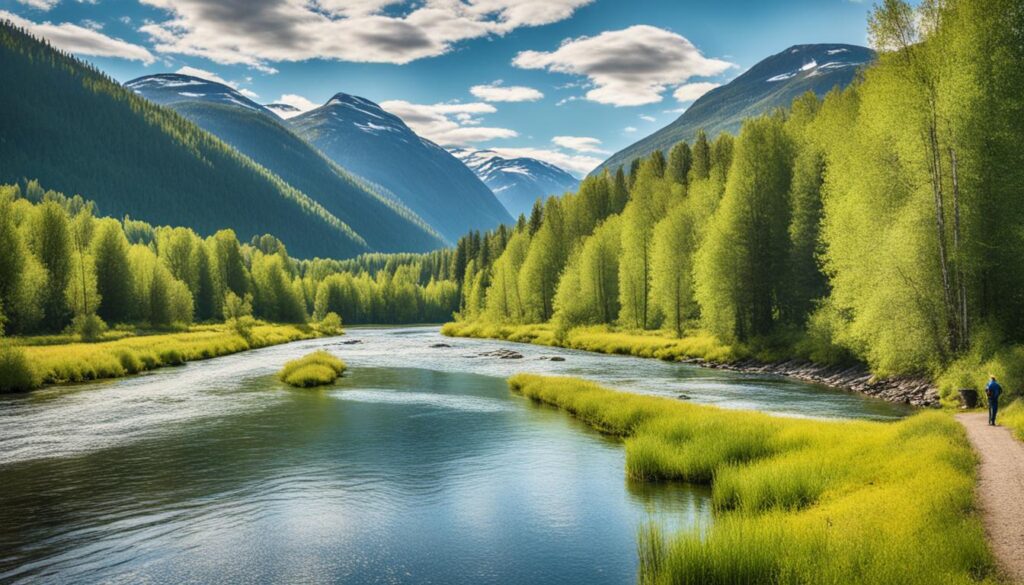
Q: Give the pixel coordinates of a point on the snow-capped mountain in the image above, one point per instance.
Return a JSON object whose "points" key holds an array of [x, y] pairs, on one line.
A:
{"points": [[171, 88], [254, 130], [517, 182], [359, 135], [774, 82]]}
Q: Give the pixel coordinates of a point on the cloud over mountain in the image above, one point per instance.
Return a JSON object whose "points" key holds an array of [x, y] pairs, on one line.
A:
{"points": [[628, 67], [448, 124]]}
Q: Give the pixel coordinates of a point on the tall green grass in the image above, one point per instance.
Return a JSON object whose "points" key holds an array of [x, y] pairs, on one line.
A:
{"points": [[795, 500], [78, 362], [316, 369], [602, 339], [17, 374], [1013, 416]]}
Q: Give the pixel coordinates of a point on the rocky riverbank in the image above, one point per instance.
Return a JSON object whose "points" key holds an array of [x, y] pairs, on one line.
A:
{"points": [[918, 392]]}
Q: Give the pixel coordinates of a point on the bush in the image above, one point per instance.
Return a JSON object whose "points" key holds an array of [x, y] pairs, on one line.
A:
{"points": [[88, 327], [330, 324], [16, 372], [316, 369]]}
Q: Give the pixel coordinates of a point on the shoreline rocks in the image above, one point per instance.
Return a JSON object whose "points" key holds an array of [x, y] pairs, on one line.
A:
{"points": [[505, 354], [913, 391]]}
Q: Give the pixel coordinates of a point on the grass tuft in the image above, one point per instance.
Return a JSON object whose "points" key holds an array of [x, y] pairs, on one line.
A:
{"points": [[16, 371], [316, 369], [1013, 417], [795, 500]]}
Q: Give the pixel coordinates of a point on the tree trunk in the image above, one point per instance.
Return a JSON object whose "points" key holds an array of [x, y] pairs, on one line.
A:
{"points": [[961, 283], [940, 228]]}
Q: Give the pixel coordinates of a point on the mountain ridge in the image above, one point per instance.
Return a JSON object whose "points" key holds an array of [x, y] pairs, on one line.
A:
{"points": [[135, 158], [259, 133], [773, 82], [378, 146]]}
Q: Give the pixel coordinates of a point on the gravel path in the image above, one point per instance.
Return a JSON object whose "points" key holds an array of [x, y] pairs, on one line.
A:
{"points": [[1000, 490]]}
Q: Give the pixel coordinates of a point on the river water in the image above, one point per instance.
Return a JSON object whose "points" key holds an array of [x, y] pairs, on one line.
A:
{"points": [[417, 467]]}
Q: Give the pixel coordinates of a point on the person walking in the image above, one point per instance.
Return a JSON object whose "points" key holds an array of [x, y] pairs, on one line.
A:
{"points": [[993, 390]]}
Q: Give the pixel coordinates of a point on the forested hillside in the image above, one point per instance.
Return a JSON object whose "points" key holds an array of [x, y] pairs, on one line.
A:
{"points": [[386, 225], [880, 224], [379, 147], [81, 132], [62, 268], [772, 83]]}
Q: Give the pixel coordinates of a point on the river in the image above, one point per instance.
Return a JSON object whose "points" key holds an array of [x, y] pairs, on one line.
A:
{"points": [[417, 467]]}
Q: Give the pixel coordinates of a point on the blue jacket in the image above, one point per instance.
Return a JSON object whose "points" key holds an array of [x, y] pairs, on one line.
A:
{"points": [[994, 389]]}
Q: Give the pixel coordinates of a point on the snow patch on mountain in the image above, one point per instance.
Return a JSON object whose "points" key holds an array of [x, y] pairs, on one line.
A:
{"points": [[517, 182]]}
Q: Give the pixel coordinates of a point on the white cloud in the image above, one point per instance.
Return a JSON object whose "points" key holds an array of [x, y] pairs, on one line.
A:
{"points": [[448, 124], [249, 93], [298, 102], [496, 92], [92, 24], [647, 118], [629, 67], [692, 91], [81, 40], [629, 129], [255, 32], [40, 4], [566, 100], [577, 164], [579, 143]]}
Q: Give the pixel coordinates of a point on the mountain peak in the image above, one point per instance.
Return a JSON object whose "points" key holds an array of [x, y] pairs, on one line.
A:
{"points": [[516, 182], [773, 82], [169, 88], [378, 146]]}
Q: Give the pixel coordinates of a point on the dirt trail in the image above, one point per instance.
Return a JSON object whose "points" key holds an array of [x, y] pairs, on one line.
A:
{"points": [[1000, 490]]}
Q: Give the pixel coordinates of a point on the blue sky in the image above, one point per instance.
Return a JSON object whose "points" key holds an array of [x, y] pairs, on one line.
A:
{"points": [[569, 81]]}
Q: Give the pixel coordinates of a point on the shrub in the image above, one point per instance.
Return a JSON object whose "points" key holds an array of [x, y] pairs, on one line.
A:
{"points": [[316, 369], [330, 324], [16, 372], [88, 327]]}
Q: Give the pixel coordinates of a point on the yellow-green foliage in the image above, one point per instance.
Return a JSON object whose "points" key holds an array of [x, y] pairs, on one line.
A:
{"points": [[1013, 416], [599, 338], [16, 371], [316, 369], [973, 370], [795, 500], [77, 362]]}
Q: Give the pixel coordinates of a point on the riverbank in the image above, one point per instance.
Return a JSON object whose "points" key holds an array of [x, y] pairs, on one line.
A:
{"points": [[794, 500], [59, 363], [706, 351]]}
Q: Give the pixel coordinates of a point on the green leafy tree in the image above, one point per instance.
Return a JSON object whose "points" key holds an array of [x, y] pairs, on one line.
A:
{"points": [[112, 272], [741, 265], [49, 237]]}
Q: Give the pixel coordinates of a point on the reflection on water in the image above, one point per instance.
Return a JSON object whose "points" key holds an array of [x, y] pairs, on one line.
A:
{"points": [[419, 466]]}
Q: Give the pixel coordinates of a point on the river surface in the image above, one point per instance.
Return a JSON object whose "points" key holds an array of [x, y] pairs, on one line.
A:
{"points": [[417, 467]]}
